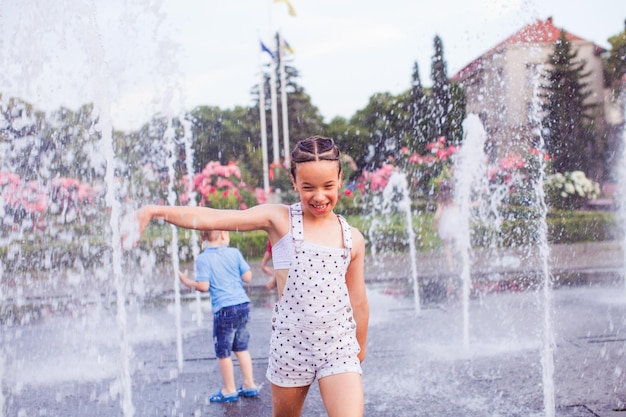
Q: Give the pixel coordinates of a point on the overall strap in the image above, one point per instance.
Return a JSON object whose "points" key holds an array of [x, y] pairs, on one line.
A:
{"points": [[297, 226], [347, 234]]}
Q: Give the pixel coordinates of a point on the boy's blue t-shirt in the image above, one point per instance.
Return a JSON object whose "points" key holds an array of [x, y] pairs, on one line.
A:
{"points": [[222, 267]]}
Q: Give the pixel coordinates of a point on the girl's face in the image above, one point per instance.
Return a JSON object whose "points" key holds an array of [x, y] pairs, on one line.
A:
{"points": [[318, 183]]}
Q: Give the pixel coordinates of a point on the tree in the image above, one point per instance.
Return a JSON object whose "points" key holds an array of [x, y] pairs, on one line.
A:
{"points": [[40, 147], [381, 126], [615, 72], [568, 120], [440, 98], [456, 114], [223, 135], [615, 63], [418, 114]]}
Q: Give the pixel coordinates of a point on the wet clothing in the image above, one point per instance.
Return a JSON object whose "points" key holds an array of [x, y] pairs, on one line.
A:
{"points": [[282, 252], [230, 332], [313, 329], [449, 222], [222, 267]]}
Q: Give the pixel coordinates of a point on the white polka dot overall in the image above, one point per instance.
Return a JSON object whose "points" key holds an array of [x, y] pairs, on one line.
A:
{"points": [[313, 330]]}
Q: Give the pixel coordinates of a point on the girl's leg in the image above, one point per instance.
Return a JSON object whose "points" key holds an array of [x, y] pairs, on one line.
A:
{"points": [[343, 395], [245, 363], [288, 402], [447, 247]]}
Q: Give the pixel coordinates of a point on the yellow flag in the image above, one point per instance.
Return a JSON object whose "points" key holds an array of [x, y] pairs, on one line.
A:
{"points": [[292, 11], [288, 47]]}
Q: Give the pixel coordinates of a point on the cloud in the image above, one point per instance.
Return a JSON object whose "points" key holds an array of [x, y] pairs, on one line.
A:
{"points": [[498, 8]]}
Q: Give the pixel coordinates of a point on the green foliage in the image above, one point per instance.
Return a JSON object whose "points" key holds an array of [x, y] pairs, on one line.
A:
{"points": [[37, 251], [563, 227], [223, 135], [418, 136], [568, 120], [380, 128], [581, 226], [441, 97], [615, 63]]}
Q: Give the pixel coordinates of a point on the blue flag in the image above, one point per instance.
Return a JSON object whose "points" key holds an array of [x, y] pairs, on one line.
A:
{"points": [[266, 49]]}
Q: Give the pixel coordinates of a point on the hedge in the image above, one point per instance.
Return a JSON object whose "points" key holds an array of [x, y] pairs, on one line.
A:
{"points": [[39, 251]]}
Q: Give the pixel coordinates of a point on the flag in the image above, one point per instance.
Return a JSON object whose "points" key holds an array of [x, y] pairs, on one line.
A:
{"points": [[288, 47], [292, 11], [266, 49]]}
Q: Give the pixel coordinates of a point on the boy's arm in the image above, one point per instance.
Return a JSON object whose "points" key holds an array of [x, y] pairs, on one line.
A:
{"points": [[355, 281], [190, 283], [246, 276]]}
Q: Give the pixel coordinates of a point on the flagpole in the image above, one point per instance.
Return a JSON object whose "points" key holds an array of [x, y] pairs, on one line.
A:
{"points": [[274, 109], [283, 99], [266, 180]]}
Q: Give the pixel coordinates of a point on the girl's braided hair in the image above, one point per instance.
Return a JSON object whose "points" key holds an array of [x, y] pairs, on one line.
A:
{"points": [[315, 148]]}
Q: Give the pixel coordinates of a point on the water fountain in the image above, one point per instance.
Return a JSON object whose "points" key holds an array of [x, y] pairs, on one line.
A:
{"points": [[396, 193], [469, 174], [102, 334]]}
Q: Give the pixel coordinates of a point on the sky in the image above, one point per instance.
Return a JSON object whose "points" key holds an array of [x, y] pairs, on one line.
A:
{"points": [[137, 58]]}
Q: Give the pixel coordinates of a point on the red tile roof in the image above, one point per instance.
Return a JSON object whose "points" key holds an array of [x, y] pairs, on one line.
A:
{"points": [[537, 32]]}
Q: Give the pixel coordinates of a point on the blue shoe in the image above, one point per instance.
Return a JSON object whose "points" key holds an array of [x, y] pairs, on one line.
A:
{"points": [[218, 397], [248, 392]]}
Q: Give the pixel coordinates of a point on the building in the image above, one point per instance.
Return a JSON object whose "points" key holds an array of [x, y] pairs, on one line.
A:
{"points": [[500, 86]]}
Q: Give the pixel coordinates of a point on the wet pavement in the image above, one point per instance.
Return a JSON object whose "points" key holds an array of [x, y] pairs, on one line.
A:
{"points": [[69, 364]]}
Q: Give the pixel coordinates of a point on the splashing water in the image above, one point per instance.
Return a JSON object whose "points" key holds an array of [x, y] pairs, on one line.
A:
{"points": [[170, 140], [469, 174], [191, 195], [105, 128], [397, 192], [547, 353], [622, 197]]}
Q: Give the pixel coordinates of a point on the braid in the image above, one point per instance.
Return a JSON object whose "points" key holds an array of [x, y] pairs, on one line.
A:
{"points": [[315, 148]]}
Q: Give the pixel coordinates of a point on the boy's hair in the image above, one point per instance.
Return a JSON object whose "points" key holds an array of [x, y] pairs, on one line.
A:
{"points": [[315, 148], [210, 235]]}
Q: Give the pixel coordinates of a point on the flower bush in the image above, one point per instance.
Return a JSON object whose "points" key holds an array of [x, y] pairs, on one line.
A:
{"points": [[518, 175], [30, 204], [424, 173], [570, 190], [220, 186], [429, 171]]}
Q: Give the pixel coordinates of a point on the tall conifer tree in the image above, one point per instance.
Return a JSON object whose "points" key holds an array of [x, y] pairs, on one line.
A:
{"points": [[568, 114], [440, 93], [418, 114]]}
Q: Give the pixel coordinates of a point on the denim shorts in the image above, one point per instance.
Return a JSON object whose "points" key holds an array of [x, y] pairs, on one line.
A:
{"points": [[230, 333]]}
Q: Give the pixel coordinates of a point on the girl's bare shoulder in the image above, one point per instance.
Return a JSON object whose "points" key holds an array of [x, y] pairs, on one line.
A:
{"points": [[358, 242], [277, 216]]}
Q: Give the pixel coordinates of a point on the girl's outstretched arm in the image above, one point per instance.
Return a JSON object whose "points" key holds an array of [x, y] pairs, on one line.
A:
{"points": [[355, 281], [269, 217]]}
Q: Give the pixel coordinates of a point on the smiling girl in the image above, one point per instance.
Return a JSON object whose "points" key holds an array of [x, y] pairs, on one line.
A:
{"points": [[319, 323]]}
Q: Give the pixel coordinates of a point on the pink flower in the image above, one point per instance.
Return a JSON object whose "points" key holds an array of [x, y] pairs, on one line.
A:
{"points": [[415, 158]]}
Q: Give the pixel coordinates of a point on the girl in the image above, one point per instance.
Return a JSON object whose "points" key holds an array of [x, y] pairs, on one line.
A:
{"points": [[447, 224], [319, 323]]}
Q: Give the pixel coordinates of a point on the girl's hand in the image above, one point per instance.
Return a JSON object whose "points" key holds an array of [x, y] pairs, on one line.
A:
{"points": [[133, 226], [361, 354]]}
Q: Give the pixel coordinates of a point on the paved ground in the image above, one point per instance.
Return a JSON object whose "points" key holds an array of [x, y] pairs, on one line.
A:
{"points": [[67, 362]]}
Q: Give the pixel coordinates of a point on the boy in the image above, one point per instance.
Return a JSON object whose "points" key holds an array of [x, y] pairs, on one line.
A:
{"points": [[222, 270]]}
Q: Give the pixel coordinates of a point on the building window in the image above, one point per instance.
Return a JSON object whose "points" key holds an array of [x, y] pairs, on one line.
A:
{"points": [[531, 74]]}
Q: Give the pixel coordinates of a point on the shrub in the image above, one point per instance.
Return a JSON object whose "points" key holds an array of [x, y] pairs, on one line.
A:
{"points": [[570, 190]]}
